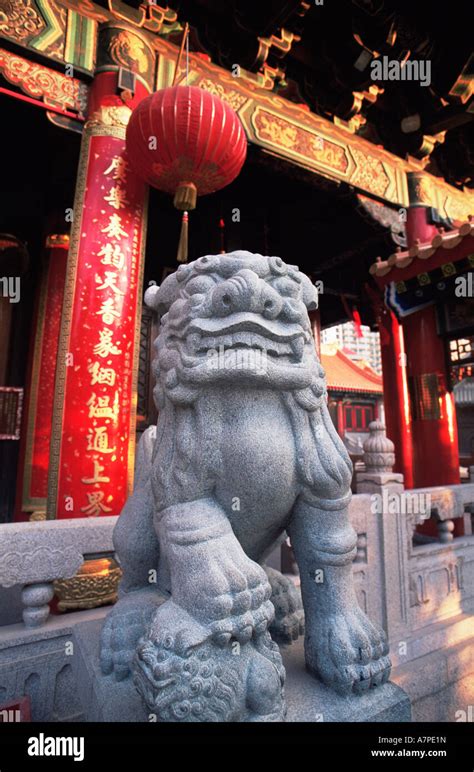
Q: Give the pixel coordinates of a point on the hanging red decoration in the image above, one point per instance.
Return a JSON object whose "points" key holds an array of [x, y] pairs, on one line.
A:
{"points": [[357, 322], [187, 142]]}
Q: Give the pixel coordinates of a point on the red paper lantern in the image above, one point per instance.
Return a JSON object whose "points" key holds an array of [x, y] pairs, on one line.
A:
{"points": [[185, 141], [185, 134]]}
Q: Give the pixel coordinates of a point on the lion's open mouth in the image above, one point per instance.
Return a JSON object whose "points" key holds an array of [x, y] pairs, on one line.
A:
{"points": [[243, 341], [247, 332]]}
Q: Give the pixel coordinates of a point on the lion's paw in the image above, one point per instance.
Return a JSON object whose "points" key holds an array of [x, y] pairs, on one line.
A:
{"points": [[226, 591], [347, 652]]}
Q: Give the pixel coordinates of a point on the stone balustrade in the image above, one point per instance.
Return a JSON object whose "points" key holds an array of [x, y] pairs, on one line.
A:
{"points": [[422, 593], [34, 554], [420, 588]]}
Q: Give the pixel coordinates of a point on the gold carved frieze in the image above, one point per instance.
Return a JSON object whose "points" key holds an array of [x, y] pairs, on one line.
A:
{"points": [[457, 207], [308, 146], [233, 97], [55, 89], [370, 173], [37, 24], [20, 20]]}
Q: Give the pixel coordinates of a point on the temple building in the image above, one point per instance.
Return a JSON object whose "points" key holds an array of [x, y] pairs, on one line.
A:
{"points": [[358, 172], [354, 396], [358, 342]]}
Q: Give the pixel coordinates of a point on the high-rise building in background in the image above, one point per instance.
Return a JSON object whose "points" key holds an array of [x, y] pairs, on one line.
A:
{"points": [[366, 347]]}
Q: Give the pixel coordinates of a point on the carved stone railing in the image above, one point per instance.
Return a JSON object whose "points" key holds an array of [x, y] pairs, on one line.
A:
{"points": [[405, 580], [35, 554], [392, 572], [448, 503]]}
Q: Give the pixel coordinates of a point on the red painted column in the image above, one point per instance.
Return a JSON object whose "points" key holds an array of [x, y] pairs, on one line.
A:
{"points": [[32, 479], [435, 440], [434, 417], [417, 227], [436, 453], [395, 392], [94, 422]]}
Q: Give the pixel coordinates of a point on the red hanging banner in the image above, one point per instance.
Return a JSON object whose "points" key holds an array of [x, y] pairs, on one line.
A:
{"points": [[92, 450]]}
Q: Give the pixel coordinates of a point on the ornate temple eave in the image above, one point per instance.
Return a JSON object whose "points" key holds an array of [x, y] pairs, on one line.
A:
{"points": [[68, 32], [445, 248]]}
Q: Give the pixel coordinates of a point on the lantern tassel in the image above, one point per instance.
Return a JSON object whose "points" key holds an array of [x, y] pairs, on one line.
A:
{"points": [[182, 255]]}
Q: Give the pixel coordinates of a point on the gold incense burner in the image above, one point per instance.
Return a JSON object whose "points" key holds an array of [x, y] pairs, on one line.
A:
{"points": [[95, 584]]}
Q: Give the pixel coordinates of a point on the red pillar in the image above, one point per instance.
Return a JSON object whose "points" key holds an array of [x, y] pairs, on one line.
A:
{"points": [[94, 420], [417, 227], [32, 479], [434, 417], [435, 440], [436, 453], [395, 392]]}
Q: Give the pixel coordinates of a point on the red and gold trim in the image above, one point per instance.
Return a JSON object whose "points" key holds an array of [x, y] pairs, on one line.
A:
{"points": [[93, 437]]}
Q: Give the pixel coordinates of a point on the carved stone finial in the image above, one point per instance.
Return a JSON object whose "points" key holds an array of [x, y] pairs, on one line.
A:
{"points": [[379, 453]]}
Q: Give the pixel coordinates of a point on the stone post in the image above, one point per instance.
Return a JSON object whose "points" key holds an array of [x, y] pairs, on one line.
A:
{"points": [[388, 540]]}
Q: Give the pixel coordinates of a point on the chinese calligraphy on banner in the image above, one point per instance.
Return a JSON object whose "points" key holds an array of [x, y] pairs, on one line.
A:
{"points": [[96, 451]]}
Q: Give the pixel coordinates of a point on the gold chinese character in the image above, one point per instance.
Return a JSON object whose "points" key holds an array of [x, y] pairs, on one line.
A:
{"points": [[108, 312], [97, 476], [112, 255], [100, 407], [118, 167], [114, 228], [98, 440], [102, 375], [116, 198], [95, 505], [106, 347], [109, 282]]}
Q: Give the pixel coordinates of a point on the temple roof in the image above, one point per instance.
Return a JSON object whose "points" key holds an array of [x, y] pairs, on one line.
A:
{"points": [[342, 374], [441, 248]]}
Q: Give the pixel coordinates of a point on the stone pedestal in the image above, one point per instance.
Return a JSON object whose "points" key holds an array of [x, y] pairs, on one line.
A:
{"points": [[105, 699]]}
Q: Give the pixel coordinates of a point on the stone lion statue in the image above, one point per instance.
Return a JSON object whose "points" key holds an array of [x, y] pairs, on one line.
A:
{"points": [[244, 451]]}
